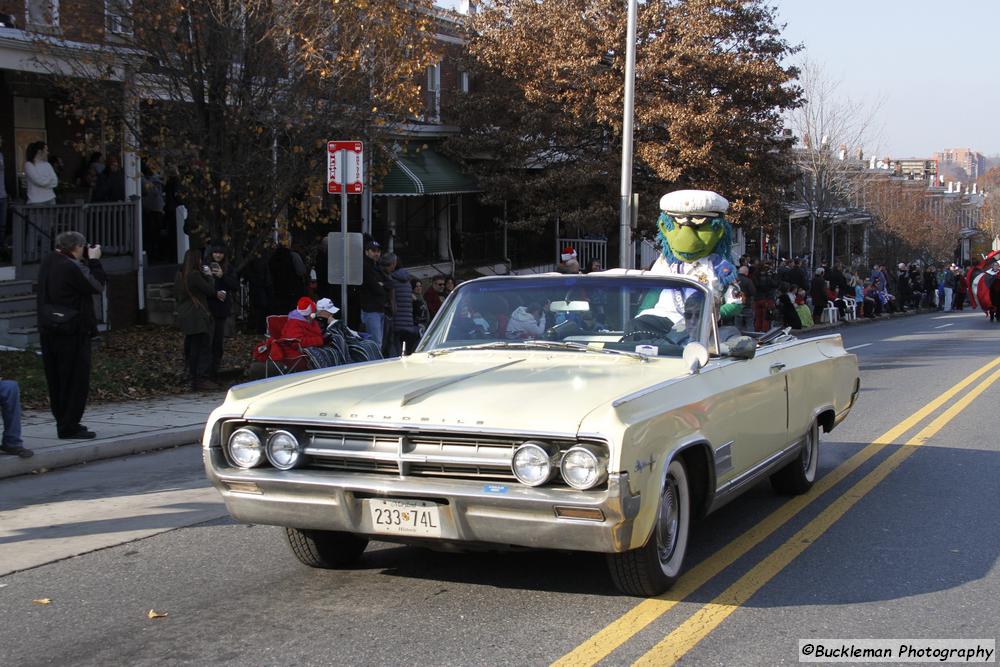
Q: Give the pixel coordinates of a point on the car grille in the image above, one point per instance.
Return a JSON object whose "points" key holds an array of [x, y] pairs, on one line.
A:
{"points": [[409, 454]]}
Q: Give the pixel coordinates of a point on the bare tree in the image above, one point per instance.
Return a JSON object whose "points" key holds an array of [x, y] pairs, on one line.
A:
{"points": [[831, 130]]}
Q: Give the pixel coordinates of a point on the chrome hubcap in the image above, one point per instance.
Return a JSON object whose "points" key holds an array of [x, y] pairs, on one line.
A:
{"points": [[667, 522], [808, 451]]}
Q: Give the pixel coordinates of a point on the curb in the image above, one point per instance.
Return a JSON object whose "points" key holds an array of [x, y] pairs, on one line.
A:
{"points": [[51, 458]]}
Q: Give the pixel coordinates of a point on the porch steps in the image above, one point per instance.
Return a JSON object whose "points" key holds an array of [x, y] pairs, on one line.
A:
{"points": [[161, 307], [23, 337], [18, 319], [18, 303], [9, 288]]}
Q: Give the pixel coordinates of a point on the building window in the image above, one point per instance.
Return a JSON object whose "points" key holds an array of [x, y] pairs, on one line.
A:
{"points": [[43, 13], [434, 93], [463, 82], [118, 17]]}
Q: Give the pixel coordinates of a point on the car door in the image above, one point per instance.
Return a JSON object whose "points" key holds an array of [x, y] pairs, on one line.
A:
{"points": [[755, 406]]}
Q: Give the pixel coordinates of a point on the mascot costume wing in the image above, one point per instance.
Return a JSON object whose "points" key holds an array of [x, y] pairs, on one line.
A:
{"points": [[695, 240], [984, 288]]}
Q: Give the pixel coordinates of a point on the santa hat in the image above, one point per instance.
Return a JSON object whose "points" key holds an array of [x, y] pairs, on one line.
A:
{"points": [[305, 306], [568, 253]]}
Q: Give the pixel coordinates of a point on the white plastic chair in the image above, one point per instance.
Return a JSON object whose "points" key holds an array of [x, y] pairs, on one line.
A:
{"points": [[851, 312], [830, 313]]}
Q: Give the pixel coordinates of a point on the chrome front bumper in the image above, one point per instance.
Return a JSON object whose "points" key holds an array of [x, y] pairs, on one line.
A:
{"points": [[508, 514]]}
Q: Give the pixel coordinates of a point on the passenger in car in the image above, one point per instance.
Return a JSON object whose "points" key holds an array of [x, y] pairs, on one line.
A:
{"points": [[526, 321]]}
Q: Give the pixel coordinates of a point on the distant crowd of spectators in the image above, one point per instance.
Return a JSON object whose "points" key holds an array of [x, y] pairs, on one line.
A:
{"points": [[791, 294]]}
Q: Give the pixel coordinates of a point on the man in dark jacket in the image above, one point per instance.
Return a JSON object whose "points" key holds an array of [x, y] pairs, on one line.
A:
{"points": [[67, 283], [818, 293], [373, 293], [838, 282], [797, 276], [404, 329]]}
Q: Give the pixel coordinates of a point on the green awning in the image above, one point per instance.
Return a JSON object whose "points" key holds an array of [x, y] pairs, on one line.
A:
{"points": [[427, 172]]}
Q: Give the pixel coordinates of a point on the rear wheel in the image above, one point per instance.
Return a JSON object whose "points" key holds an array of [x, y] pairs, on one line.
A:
{"points": [[653, 568], [326, 548], [798, 476]]}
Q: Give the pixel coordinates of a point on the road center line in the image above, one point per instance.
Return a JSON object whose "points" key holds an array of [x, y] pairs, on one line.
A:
{"points": [[856, 347], [605, 641], [672, 647], [945, 325]]}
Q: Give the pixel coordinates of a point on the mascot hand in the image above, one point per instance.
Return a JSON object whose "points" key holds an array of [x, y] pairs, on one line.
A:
{"points": [[728, 310]]}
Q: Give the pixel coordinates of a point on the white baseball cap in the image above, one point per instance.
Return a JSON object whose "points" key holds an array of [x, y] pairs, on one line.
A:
{"points": [[327, 305]]}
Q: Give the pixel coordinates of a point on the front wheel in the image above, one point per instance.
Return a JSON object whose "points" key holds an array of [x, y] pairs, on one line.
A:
{"points": [[653, 568], [326, 549], [798, 476]]}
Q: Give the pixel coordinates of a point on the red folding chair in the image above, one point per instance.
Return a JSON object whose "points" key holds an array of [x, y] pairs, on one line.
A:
{"points": [[282, 355]]}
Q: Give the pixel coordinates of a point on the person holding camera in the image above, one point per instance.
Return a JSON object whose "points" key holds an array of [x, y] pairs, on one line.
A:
{"points": [[193, 287], [227, 288], [68, 279]]}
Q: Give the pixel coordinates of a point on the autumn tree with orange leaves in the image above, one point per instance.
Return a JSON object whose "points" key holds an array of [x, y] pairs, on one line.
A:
{"points": [[239, 97], [545, 124], [911, 223]]}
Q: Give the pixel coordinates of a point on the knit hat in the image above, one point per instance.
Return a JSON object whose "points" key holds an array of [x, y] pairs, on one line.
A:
{"points": [[327, 305], [305, 306], [567, 254]]}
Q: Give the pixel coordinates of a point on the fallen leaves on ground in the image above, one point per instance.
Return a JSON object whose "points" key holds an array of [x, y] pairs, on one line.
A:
{"points": [[42, 601], [152, 613], [129, 364]]}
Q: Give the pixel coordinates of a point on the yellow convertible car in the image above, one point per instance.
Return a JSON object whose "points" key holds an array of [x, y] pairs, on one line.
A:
{"points": [[600, 412]]}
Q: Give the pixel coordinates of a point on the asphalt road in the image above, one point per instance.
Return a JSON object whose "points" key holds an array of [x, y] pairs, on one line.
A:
{"points": [[903, 546]]}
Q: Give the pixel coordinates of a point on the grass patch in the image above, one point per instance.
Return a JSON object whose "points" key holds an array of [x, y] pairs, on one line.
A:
{"points": [[128, 364]]}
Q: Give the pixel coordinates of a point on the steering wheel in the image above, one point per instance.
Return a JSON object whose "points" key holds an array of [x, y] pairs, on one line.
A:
{"points": [[652, 335]]}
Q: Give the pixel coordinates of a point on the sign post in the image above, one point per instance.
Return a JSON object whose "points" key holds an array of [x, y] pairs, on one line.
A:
{"points": [[344, 174]]}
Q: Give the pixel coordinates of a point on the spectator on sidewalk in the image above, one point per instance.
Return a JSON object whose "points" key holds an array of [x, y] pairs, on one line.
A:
{"points": [[3, 191], [960, 288], [10, 405], [302, 324], [904, 289], [435, 295], [287, 274], [193, 287], [818, 293], [405, 333], [946, 278], [786, 306], [67, 284], [373, 293], [227, 288], [796, 276], [40, 175], [421, 316], [111, 182]]}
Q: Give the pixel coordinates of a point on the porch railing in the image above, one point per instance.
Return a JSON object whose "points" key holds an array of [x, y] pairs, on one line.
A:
{"points": [[112, 225]]}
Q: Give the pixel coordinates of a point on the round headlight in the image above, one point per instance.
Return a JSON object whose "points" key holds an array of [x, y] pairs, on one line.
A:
{"points": [[533, 463], [283, 450], [582, 468], [245, 448]]}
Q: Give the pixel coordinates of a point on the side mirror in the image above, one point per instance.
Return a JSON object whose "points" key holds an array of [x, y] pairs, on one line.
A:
{"points": [[741, 347], [695, 357]]}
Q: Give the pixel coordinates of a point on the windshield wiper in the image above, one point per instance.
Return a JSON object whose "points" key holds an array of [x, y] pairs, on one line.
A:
{"points": [[539, 345]]}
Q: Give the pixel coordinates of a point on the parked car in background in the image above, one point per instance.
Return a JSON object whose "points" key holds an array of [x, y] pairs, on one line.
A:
{"points": [[613, 414]]}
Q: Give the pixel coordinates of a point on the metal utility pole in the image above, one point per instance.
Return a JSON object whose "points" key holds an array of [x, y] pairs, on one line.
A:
{"points": [[625, 217]]}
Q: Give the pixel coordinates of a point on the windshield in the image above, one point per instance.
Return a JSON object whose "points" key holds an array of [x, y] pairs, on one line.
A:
{"points": [[653, 316]]}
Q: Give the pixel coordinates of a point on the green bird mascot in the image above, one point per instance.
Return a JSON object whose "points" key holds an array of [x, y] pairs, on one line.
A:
{"points": [[695, 240]]}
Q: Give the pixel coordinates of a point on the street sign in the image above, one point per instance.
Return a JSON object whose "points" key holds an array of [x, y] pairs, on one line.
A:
{"points": [[335, 258], [345, 164]]}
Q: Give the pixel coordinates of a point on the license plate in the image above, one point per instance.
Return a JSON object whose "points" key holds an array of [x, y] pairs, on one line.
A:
{"points": [[405, 517]]}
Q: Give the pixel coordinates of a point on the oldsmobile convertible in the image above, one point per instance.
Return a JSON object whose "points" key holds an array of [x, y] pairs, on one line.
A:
{"points": [[599, 413]]}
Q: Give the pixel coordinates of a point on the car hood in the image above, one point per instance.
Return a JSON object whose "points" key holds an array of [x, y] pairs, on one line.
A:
{"points": [[525, 391]]}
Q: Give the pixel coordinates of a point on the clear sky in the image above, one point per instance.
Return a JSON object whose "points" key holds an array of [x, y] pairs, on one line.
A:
{"points": [[932, 65]]}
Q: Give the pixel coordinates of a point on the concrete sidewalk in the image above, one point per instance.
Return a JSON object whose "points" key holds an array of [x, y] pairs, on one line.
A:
{"points": [[122, 429]]}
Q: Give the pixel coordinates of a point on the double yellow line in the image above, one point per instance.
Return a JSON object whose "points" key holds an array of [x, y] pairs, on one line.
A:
{"points": [[698, 626]]}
